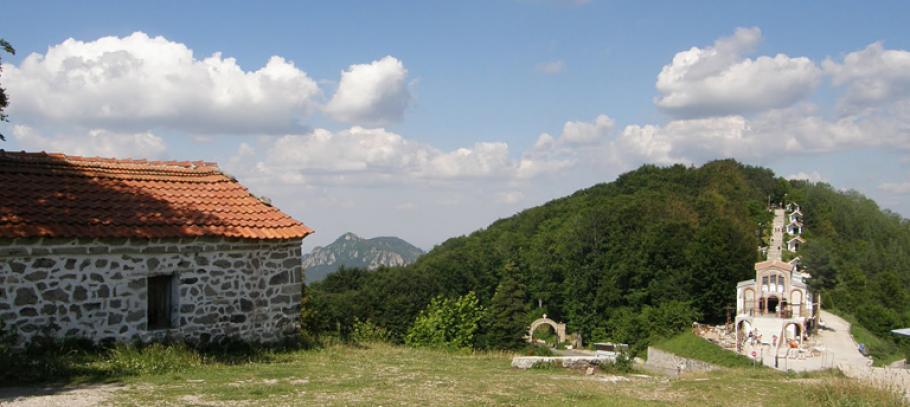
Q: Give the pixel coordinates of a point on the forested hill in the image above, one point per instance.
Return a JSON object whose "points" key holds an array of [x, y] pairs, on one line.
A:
{"points": [[652, 250]]}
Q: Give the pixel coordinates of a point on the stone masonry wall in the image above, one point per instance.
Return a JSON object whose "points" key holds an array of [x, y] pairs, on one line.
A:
{"points": [[97, 289], [670, 364]]}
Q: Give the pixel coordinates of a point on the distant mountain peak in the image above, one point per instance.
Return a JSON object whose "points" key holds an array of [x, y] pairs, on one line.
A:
{"points": [[348, 236], [351, 250]]}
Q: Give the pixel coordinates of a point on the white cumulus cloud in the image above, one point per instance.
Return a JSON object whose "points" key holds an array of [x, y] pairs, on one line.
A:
{"points": [[719, 80], [813, 176], [895, 187], [368, 156], [796, 130], [872, 76], [139, 82], [371, 94], [97, 142]]}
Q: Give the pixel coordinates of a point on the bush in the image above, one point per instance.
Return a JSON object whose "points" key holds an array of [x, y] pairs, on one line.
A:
{"points": [[622, 364], [367, 331], [537, 350], [447, 322]]}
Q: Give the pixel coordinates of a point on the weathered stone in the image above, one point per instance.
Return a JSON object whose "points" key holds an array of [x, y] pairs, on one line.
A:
{"points": [[13, 252], [104, 291], [114, 318], [55, 295], [97, 250], [292, 262], [28, 312], [17, 267], [216, 293], [25, 296], [43, 263], [79, 293], [36, 275], [206, 319], [154, 250], [280, 278], [135, 316], [71, 250]]}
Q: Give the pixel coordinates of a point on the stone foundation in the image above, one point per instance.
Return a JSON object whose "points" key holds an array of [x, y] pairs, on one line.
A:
{"points": [[97, 288]]}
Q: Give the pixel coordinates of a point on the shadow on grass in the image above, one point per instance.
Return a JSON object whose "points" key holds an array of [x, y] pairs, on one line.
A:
{"points": [[54, 364]]}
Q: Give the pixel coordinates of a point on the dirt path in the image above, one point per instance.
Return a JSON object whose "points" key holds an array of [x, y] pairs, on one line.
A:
{"points": [[846, 357], [76, 396]]}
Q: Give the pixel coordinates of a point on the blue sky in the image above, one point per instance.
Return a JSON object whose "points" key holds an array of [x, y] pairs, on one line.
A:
{"points": [[426, 119]]}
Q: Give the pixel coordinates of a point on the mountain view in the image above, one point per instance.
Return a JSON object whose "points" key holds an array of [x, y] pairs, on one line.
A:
{"points": [[350, 250], [643, 256], [455, 203]]}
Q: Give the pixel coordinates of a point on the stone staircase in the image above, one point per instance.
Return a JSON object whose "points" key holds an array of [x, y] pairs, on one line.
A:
{"points": [[768, 327]]}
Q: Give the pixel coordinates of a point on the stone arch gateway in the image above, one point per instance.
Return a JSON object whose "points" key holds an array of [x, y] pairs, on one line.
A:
{"points": [[558, 327]]}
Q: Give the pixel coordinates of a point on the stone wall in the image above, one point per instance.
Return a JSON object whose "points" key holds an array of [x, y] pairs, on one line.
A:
{"points": [[97, 289], [670, 364]]}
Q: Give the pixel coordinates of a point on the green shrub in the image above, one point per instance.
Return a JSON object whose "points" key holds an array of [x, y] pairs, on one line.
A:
{"points": [[537, 350], [367, 331], [448, 323], [622, 364]]}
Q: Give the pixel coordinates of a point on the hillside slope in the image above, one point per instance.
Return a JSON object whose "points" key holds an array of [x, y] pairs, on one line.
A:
{"points": [[643, 255], [350, 250]]}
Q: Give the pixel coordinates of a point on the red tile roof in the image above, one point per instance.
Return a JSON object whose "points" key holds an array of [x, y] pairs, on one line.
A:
{"points": [[54, 195]]}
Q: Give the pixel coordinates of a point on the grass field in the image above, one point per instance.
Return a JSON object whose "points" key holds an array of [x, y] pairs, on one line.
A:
{"points": [[381, 374]]}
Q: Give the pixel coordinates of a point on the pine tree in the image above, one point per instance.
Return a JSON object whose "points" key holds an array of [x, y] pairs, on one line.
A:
{"points": [[508, 312]]}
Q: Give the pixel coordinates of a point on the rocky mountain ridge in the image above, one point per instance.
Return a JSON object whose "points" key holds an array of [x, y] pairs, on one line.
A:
{"points": [[350, 250]]}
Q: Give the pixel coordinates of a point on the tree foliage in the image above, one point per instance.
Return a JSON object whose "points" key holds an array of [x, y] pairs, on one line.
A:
{"points": [[4, 100], [507, 319], [447, 323], [659, 243]]}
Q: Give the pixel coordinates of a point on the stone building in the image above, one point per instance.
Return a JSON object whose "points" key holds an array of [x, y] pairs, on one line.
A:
{"points": [[115, 250]]}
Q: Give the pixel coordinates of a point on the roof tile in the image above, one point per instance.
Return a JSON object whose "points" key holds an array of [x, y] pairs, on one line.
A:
{"points": [[56, 195]]}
